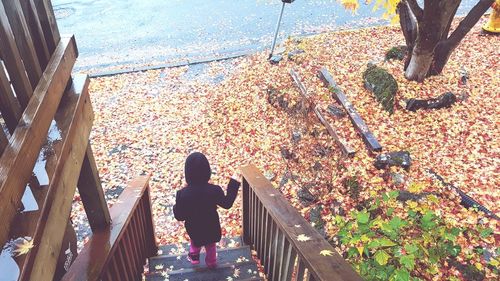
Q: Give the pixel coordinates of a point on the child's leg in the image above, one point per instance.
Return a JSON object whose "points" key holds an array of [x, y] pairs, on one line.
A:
{"points": [[211, 258], [194, 253]]}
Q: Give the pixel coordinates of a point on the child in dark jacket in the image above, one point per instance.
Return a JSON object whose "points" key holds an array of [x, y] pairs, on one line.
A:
{"points": [[196, 204]]}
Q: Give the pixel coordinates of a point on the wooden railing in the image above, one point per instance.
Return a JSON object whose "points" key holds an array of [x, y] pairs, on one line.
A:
{"points": [[119, 251], [45, 155], [286, 244]]}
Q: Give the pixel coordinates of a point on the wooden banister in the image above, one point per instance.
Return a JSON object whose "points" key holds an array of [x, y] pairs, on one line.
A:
{"points": [[119, 251], [286, 243]]}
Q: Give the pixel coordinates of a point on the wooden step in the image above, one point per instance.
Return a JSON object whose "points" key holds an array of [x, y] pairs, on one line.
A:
{"points": [[174, 249], [175, 262], [239, 271]]}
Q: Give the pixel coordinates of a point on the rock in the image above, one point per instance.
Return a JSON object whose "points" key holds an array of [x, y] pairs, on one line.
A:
{"points": [[382, 84], [296, 136], [335, 111], [396, 53], [294, 53], [396, 158], [397, 179], [306, 197], [275, 59], [469, 272], [336, 208], [443, 101], [321, 151], [276, 98], [316, 220], [406, 195], [286, 153], [317, 166]]}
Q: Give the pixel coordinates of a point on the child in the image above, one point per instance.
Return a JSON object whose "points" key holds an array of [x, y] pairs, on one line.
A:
{"points": [[197, 205]]}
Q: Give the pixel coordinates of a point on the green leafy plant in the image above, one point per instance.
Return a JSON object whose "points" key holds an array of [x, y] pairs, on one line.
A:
{"points": [[392, 247]]}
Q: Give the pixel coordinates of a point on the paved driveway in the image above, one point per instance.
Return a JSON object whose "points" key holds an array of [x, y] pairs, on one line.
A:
{"points": [[128, 32]]}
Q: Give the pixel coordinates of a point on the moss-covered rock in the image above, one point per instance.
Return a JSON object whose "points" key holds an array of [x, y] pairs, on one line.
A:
{"points": [[396, 53], [382, 84]]}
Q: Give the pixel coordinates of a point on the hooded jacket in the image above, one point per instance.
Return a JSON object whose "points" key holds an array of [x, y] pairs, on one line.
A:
{"points": [[196, 204]]}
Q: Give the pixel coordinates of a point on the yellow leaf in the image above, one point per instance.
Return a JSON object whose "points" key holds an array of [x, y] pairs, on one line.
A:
{"points": [[23, 247], [326, 253], [412, 204], [303, 238], [360, 250], [479, 265]]}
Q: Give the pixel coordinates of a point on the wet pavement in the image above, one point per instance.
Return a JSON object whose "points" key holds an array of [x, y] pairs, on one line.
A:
{"points": [[126, 32]]}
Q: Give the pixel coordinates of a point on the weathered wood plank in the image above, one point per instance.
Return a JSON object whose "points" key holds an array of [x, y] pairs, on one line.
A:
{"points": [[91, 192], [287, 218], [56, 210], [12, 59], [11, 110], [31, 16], [356, 119], [4, 142], [18, 160], [23, 40], [96, 253], [346, 149], [48, 23], [72, 100]]}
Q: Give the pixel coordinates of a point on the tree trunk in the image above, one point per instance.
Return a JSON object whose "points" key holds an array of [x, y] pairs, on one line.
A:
{"points": [[409, 26], [433, 25], [445, 47]]}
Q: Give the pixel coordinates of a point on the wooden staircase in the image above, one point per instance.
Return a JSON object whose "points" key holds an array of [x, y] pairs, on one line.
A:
{"points": [[234, 262]]}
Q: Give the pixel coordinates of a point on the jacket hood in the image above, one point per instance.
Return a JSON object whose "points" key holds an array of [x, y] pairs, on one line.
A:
{"points": [[197, 169]]}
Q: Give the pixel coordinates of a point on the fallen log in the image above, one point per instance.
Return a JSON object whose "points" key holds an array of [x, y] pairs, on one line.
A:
{"points": [[356, 119]]}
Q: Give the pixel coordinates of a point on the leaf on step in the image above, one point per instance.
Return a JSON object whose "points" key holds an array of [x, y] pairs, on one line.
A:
{"points": [[236, 273], [23, 246], [159, 266]]}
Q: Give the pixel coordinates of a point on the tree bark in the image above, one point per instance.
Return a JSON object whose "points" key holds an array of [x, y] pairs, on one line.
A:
{"points": [[409, 26], [435, 21], [447, 46]]}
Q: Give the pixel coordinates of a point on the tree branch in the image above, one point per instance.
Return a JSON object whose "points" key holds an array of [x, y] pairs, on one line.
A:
{"points": [[468, 22], [415, 8]]}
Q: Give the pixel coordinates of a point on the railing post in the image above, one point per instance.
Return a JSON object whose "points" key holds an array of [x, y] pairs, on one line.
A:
{"points": [[89, 186], [246, 213]]}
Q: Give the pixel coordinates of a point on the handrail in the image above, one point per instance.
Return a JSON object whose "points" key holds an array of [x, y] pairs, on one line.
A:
{"points": [[287, 245], [119, 251]]}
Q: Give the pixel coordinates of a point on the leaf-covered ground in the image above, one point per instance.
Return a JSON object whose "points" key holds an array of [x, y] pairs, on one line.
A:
{"points": [[149, 122]]}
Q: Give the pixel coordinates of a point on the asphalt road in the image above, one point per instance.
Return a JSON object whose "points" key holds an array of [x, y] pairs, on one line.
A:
{"points": [[128, 33]]}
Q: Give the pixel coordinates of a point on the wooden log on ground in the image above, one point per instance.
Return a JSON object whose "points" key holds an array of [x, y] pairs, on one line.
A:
{"points": [[18, 159], [91, 192], [9, 106], [346, 149], [13, 62], [42, 259], [356, 119]]}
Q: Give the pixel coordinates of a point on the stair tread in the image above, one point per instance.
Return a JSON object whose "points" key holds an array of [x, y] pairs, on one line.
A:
{"points": [[224, 256], [174, 249], [236, 271]]}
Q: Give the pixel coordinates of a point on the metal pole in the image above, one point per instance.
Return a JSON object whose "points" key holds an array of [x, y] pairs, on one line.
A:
{"points": [[277, 29]]}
